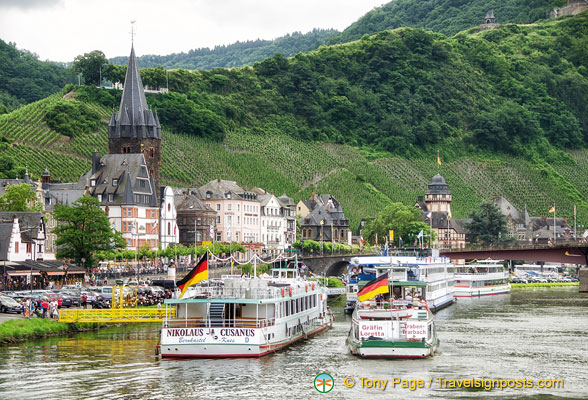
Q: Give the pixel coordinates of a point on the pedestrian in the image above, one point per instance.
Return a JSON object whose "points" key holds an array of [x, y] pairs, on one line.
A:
{"points": [[93, 300], [31, 308], [45, 306], [25, 308], [55, 311], [84, 301]]}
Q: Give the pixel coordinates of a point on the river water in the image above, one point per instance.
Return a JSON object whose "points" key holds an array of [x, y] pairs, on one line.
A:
{"points": [[529, 333]]}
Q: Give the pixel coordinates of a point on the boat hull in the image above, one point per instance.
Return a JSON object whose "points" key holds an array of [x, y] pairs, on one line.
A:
{"points": [[481, 291], [221, 348], [391, 349]]}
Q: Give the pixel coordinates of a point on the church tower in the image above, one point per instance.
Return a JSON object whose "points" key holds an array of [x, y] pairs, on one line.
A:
{"points": [[438, 196], [135, 128]]}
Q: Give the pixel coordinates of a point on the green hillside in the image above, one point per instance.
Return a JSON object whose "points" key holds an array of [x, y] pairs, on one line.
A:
{"points": [[362, 183], [445, 16], [236, 54], [24, 79], [505, 108]]}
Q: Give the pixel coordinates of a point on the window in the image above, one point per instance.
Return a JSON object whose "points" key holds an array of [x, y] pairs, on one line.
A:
{"points": [[236, 236], [169, 228], [100, 197], [209, 195], [16, 246], [218, 237], [229, 220], [238, 207], [151, 152], [28, 247], [218, 219], [126, 149], [238, 220], [115, 182], [218, 207], [93, 182], [229, 207], [110, 197], [142, 183], [168, 206]]}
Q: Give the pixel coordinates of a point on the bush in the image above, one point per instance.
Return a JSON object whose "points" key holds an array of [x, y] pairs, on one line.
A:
{"points": [[72, 118]]}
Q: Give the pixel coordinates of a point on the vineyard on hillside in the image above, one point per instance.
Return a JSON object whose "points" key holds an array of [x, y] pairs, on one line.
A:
{"points": [[364, 184]]}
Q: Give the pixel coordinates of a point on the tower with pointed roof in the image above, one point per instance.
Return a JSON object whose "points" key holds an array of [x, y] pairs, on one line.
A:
{"points": [[135, 128]]}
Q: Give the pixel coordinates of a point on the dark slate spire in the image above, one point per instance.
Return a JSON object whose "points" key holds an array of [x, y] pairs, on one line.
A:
{"points": [[130, 121]]}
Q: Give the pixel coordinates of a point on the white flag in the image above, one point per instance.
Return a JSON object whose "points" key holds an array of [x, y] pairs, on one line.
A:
{"points": [[420, 235], [430, 214], [228, 232]]}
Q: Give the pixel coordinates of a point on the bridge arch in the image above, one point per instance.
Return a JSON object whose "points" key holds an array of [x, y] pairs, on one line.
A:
{"points": [[337, 268]]}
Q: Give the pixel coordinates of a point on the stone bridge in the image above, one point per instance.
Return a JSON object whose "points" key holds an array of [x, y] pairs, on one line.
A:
{"points": [[329, 265]]}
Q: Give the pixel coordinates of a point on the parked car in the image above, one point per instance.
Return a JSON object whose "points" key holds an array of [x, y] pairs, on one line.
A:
{"points": [[8, 304]]}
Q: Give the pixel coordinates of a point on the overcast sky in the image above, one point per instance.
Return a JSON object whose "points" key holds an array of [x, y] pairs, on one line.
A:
{"points": [[59, 30]]}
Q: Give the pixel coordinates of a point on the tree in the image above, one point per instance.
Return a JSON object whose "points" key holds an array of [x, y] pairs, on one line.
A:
{"points": [[488, 225], [84, 229], [406, 222], [90, 66], [19, 198]]}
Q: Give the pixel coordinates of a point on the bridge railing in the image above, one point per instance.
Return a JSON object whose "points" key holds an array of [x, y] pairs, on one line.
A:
{"points": [[114, 315]]}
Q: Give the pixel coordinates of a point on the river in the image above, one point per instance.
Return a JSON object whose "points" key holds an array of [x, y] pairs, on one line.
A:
{"points": [[529, 333]]}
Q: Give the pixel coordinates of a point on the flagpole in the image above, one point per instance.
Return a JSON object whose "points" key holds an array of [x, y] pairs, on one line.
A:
{"points": [[575, 237], [554, 237]]}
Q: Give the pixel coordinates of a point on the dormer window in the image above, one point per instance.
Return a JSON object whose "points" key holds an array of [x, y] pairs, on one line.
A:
{"points": [[93, 182], [110, 197], [209, 195], [115, 182], [228, 195], [100, 198]]}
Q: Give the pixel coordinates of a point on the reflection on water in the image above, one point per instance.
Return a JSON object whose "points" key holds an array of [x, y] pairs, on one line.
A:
{"points": [[534, 334]]}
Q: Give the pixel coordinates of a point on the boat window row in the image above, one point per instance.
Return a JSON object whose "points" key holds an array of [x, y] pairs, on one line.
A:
{"points": [[489, 283], [439, 286], [295, 306], [435, 270]]}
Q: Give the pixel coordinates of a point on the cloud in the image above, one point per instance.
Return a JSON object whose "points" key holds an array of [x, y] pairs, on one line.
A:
{"points": [[29, 4]]}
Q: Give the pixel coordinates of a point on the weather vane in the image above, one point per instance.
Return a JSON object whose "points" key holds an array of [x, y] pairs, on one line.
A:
{"points": [[133, 32]]}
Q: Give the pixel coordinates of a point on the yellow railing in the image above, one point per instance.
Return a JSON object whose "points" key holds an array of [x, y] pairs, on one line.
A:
{"points": [[115, 315]]}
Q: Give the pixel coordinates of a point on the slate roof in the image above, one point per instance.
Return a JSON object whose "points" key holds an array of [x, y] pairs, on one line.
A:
{"points": [[190, 203], [438, 186], [134, 118], [132, 178], [220, 189], [326, 208], [28, 221]]}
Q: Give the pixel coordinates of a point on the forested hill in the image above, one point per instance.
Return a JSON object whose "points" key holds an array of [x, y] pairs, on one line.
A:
{"points": [[445, 16], [24, 79], [237, 54], [506, 108]]}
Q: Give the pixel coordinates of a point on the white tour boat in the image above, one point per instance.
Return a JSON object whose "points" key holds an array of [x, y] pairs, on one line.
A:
{"points": [[244, 317], [398, 324], [437, 272], [486, 277]]}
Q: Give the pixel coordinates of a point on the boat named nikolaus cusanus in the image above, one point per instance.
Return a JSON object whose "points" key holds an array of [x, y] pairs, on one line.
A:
{"points": [[483, 278], [397, 324], [243, 317]]}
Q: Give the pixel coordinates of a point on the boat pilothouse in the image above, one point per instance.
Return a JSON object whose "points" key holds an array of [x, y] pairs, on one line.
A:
{"points": [[244, 317], [395, 324]]}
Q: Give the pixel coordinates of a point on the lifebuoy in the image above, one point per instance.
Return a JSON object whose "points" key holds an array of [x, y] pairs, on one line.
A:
{"points": [[290, 290], [306, 288], [283, 292]]}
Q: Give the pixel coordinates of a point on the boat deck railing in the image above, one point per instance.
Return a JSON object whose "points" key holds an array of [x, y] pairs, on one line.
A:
{"points": [[396, 305], [225, 323], [257, 293]]}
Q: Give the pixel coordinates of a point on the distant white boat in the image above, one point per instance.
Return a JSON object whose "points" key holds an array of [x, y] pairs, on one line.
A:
{"points": [[486, 277]]}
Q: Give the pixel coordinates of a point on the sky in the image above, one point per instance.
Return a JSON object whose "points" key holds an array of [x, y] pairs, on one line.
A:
{"points": [[60, 30]]}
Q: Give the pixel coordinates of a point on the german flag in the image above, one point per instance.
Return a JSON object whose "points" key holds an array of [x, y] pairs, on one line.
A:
{"points": [[199, 273], [374, 288]]}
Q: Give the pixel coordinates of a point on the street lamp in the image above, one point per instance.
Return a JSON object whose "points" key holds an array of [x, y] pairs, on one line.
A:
{"points": [[100, 83]]}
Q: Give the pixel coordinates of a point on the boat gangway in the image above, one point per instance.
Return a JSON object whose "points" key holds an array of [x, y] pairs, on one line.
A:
{"points": [[117, 315]]}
